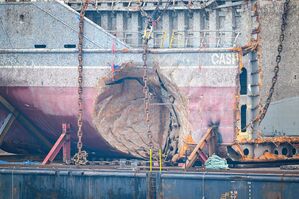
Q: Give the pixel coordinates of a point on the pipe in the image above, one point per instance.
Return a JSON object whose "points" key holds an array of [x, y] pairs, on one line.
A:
{"points": [[82, 172]]}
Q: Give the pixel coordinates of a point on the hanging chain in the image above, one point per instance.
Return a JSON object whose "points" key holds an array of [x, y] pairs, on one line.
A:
{"points": [[80, 158], [146, 93], [264, 109], [151, 20]]}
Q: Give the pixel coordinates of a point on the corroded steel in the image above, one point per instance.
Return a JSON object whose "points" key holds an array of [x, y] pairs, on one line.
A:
{"points": [[201, 81], [151, 21], [264, 109], [146, 95], [237, 94], [278, 59], [197, 152], [80, 158], [276, 140]]}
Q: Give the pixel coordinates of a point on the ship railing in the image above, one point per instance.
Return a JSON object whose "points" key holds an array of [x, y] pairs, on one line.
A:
{"points": [[204, 39], [182, 39], [134, 39], [148, 5]]}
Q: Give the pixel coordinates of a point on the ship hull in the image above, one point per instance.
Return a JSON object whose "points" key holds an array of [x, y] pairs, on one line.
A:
{"points": [[48, 107]]}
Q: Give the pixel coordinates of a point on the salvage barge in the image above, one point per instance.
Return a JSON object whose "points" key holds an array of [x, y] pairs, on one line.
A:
{"points": [[193, 86], [62, 182]]}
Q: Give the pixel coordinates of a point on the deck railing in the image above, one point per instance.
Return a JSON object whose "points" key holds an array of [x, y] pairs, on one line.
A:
{"points": [[182, 39]]}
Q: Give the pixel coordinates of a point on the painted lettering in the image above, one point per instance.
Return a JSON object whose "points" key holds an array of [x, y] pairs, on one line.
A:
{"points": [[223, 59]]}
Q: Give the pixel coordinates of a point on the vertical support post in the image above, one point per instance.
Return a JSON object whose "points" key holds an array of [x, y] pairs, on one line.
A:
{"points": [[213, 141], [151, 160], [67, 143], [181, 29], [135, 29], [160, 160], [62, 142], [104, 20], [196, 29], [212, 28], [166, 29], [254, 94], [120, 25], [229, 25]]}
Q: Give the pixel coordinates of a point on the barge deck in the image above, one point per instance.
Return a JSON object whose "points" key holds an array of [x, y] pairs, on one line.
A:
{"points": [[61, 181]]}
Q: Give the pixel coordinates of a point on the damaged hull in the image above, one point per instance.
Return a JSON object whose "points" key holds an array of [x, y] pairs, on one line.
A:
{"points": [[49, 107], [47, 94], [42, 84]]}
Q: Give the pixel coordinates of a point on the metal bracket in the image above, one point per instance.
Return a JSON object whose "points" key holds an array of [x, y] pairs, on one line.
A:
{"points": [[197, 152], [62, 142]]}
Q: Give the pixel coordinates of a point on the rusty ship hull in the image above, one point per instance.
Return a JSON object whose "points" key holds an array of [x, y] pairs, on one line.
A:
{"points": [[39, 79], [57, 104]]}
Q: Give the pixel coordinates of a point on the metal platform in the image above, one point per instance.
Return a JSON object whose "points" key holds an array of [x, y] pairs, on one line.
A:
{"points": [[99, 182]]}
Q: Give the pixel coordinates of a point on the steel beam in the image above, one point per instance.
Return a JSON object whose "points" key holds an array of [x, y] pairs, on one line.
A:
{"points": [[197, 152], [62, 142], [26, 123], [6, 126]]}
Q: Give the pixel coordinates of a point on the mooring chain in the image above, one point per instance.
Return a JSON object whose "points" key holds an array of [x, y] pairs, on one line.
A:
{"points": [[146, 37], [146, 93], [264, 109], [80, 158]]}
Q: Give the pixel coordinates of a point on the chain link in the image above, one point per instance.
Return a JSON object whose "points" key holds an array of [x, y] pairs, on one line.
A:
{"points": [[146, 93], [264, 109], [80, 158], [151, 20]]}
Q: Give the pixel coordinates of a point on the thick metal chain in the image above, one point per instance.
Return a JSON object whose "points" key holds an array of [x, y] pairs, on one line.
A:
{"points": [[80, 158], [146, 38], [146, 93], [259, 118]]}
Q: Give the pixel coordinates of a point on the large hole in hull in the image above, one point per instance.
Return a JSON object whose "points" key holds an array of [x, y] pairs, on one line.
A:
{"points": [[119, 114]]}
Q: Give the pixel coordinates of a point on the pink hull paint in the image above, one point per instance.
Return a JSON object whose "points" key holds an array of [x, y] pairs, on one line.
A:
{"points": [[49, 107], [208, 105]]}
